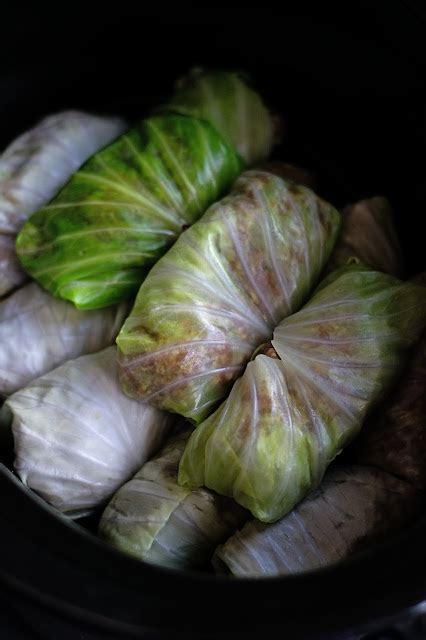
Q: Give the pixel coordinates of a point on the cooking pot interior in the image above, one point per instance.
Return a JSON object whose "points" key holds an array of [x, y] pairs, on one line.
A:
{"points": [[351, 95]]}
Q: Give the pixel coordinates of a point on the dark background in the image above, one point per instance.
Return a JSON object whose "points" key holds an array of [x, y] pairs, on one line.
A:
{"points": [[349, 78]]}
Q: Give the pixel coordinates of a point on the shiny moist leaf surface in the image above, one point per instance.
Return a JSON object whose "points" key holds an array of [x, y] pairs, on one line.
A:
{"points": [[226, 100], [94, 243], [354, 507], [39, 332], [77, 437], [154, 519], [285, 420], [221, 289]]}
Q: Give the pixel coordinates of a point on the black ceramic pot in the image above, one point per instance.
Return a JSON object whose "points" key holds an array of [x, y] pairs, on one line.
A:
{"points": [[350, 84]]}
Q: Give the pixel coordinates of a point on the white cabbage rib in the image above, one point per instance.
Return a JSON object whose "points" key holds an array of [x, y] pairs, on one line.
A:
{"points": [[153, 518], [35, 166], [77, 437], [39, 332], [353, 507]]}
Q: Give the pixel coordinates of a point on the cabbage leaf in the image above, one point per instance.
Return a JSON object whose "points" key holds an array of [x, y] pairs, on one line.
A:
{"points": [[369, 235], [354, 507]]}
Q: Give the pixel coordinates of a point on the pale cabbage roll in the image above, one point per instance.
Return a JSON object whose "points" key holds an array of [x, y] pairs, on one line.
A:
{"points": [[394, 437], [77, 437], [368, 234], [292, 172], [154, 519], [39, 332], [354, 507]]}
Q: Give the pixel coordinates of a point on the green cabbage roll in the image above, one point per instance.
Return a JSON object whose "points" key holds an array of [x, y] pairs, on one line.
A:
{"points": [[353, 508], [269, 444], [154, 519], [77, 437], [35, 166], [94, 243], [368, 234], [394, 437], [220, 291], [226, 100]]}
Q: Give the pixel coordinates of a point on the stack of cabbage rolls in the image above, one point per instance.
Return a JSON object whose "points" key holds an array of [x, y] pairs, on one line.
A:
{"points": [[95, 241], [259, 330], [92, 204], [377, 490], [299, 398]]}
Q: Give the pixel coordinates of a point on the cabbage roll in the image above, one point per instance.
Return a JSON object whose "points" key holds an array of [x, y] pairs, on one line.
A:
{"points": [[290, 172], [368, 234], [354, 507], [94, 243], [154, 519], [38, 332], [77, 437], [220, 290], [394, 438], [35, 166], [269, 444], [226, 100]]}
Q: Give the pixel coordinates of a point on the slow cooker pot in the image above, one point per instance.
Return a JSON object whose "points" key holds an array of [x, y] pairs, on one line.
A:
{"points": [[350, 84]]}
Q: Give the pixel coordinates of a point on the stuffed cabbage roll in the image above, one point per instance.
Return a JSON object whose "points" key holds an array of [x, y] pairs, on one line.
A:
{"points": [[354, 507], [154, 519], [300, 175], [394, 438], [35, 166], [38, 332], [269, 444], [94, 243], [77, 437], [226, 100], [368, 234], [220, 290]]}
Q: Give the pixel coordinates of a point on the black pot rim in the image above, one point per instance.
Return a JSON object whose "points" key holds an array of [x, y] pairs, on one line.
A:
{"points": [[63, 567], [79, 575]]}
